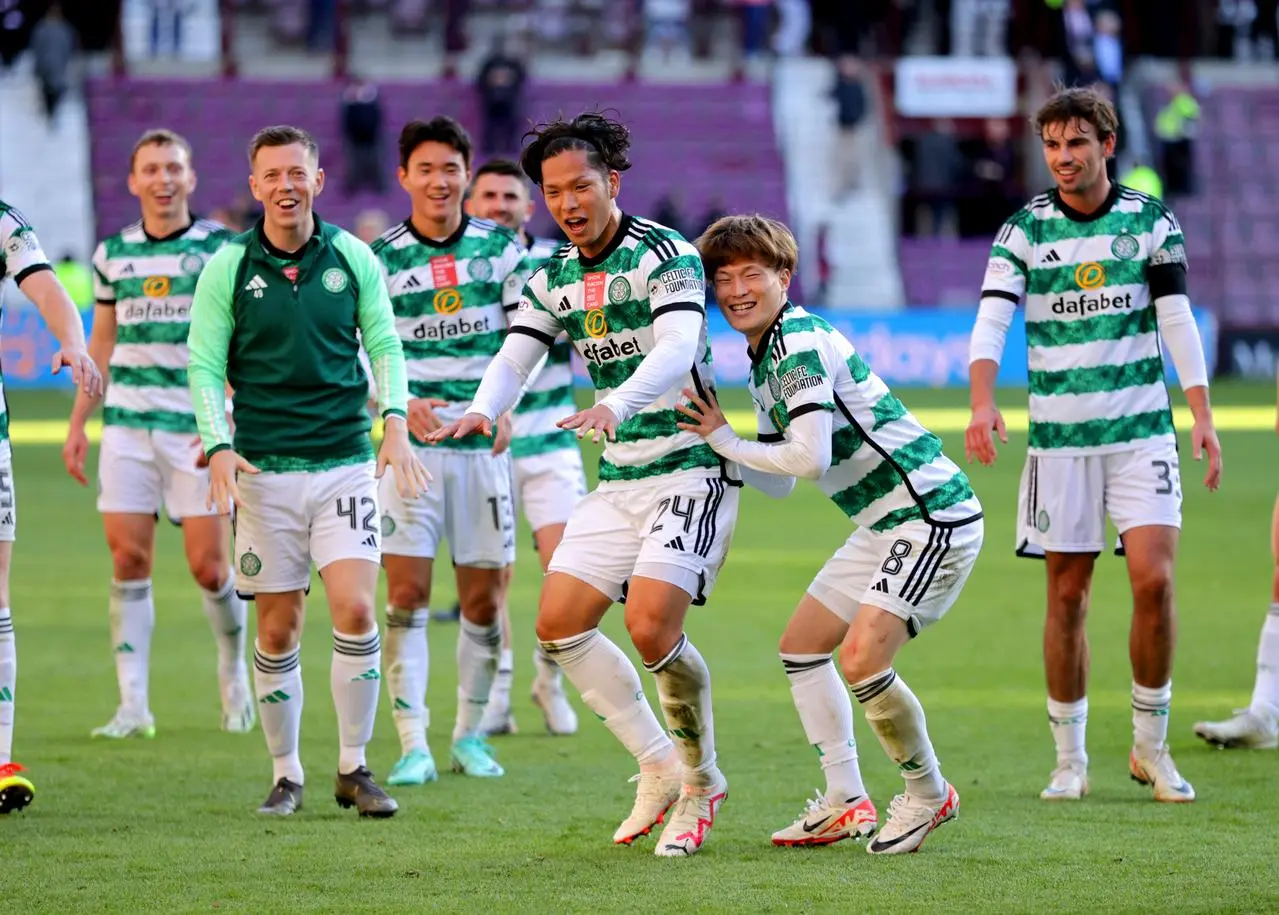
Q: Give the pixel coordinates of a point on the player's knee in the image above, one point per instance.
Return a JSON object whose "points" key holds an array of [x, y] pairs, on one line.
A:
{"points": [[407, 595], [858, 661], [278, 632], [354, 613], [1068, 598], [480, 607], [210, 573], [651, 635], [1152, 588], [130, 561]]}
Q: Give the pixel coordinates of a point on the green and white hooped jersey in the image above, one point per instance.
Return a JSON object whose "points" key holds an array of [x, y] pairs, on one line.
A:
{"points": [[550, 397], [20, 256], [1089, 283], [886, 469], [451, 300], [150, 283], [607, 304]]}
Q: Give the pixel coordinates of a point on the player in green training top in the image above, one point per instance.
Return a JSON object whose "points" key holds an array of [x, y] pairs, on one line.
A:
{"points": [[145, 276], [1102, 271], [23, 261], [279, 313], [824, 415], [547, 460], [631, 295], [453, 280]]}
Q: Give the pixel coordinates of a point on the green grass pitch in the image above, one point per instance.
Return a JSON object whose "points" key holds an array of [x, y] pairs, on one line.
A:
{"points": [[168, 825]]}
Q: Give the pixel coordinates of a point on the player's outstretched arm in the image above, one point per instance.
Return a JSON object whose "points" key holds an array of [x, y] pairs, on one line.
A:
{"points": [[101, 344], [986, 418], [63, 318]]}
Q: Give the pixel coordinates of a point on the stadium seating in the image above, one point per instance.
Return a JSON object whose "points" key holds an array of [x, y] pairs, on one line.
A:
{"points": [[707, 143]]}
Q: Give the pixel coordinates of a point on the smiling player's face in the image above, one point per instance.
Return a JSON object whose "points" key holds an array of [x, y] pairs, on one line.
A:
{"points": [[286, 180], [750, 294], [580, 197]]}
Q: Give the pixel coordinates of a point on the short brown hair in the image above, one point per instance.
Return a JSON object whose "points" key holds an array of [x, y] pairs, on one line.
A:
{"points": [[1086, 104], [282, 135], [753, 237], [440, 129], [159, 136]]}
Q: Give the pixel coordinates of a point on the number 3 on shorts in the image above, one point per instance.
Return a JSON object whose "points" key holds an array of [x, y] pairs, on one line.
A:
{"points": [[1164, 481]]}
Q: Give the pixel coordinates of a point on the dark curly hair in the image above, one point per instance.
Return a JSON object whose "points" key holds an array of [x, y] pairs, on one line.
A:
{"points": [[604, 140]]}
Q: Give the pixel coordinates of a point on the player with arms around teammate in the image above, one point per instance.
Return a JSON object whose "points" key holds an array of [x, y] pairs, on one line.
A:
{"points": [[145, 276], [630, 293], [823, 415], [549, 478], [452, 280], [23, 261], [1102, 271], [1257, 726], [279, 313]]}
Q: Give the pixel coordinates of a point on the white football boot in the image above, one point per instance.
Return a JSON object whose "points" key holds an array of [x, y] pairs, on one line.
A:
{"points": [[126, 724], [548, 695], [824, 823], [1069, 782], [239, 707], [1245, 730], [656, 793], [910, 820], [691, 819], [1162, 776]]}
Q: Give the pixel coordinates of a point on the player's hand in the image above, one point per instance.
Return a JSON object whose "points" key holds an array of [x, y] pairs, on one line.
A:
{"points": [[704, 413], [502, 440], [84, 372], [1203, 437], [411, 478], [202, 459], [422, 418], [223, 468], [74, 452], [598, 420], [469, 424], [978, 441]]}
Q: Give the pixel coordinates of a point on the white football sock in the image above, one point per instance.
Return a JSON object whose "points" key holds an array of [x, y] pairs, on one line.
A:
{"points": [[277, 682], [500, 694], [477, 652], [8, 683], [1150, 706], [354, 676], [1069, 724], [610, 687], [897, 718], [408, 662], [826, 713], [1265, 692], [227, 615], [132, 620], [548, 671], [684, 690]]}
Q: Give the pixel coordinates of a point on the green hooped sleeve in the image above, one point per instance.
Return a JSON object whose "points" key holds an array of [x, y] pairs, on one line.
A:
{"points": [[208, 341], [377, 327]]}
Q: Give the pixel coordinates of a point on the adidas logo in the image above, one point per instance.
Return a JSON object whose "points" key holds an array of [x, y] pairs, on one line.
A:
{"points": [[370, 674], [8, 518], [881, 586], [1052, 257], [274, 698], [401, 705], [564, 305], [412, 282], [127, 271], [371, 541], [5, 694], [255, 286], [676, 544], [124, 648]]}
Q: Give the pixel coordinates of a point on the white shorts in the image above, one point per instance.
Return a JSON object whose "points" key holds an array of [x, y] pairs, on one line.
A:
{"points": [[548, 486], [1064, 501], [286, 521], [467, 503], [8, 502], [142, 471], [914, 571], [676, 530]]}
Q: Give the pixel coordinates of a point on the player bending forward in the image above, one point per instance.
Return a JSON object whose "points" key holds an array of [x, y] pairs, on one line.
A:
{"points": [[277, 312], [1257, 726], [630, 294], [22, 260], [823, 415], [145, 276], [1102, 269], [547, 460]]}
